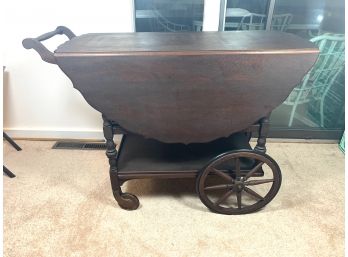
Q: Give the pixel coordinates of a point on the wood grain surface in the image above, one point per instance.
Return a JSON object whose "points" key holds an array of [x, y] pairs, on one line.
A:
{"points": [[201, 87]]}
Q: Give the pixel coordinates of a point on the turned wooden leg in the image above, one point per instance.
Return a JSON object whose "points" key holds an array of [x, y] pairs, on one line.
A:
{"points": [[124, 200], [263, 132]]}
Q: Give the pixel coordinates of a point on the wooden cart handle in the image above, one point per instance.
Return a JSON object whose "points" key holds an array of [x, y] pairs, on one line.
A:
{"points": [[35, 43]]}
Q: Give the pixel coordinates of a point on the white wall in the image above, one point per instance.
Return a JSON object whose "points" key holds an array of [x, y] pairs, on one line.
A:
{"points": [[39, 100]]}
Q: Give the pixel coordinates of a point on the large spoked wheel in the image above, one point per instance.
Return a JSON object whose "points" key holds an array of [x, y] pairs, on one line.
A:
{"points": [[239, 182]]}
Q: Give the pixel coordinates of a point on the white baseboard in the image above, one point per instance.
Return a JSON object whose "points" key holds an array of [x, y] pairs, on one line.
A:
{"points": [[93, 135]]}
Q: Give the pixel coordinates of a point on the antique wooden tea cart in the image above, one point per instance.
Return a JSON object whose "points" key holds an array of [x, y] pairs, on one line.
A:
{"points": [[186, 104]]}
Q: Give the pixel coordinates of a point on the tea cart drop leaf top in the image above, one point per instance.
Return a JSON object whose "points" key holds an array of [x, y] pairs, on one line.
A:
{"points": [[186, 104]]}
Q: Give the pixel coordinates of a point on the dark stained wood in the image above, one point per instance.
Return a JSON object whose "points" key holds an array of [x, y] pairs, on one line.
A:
{"points": [[190, 97], [186, 98], [253, 193], [125, 200], [35, 43], [139, 155], [183, 87], [239, 184], [195, 96], [222, 174], [150, 43], [263, 132]]}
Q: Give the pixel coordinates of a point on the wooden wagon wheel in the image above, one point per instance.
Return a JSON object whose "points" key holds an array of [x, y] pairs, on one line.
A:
{"points": [[239, 182]]}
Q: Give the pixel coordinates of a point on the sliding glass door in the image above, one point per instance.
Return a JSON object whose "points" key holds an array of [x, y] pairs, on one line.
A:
{"points": [[168, 16], [245, 15], [315, 108]]}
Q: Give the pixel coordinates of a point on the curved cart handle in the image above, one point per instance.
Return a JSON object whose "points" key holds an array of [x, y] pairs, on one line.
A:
{"points": [[35, 43]]}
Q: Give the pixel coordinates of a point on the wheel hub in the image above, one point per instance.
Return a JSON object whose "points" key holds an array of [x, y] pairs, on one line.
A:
{"points": [[239, 185]]}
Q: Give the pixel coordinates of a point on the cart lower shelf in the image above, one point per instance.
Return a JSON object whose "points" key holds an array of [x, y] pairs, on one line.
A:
{"points": [[224, 169], [139, 157]]}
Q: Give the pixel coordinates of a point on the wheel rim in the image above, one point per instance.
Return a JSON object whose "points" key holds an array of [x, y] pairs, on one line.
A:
{"points": [[237, 190]]}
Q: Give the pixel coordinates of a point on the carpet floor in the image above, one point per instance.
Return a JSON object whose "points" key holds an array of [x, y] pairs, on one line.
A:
{"points": [[61, 204]]}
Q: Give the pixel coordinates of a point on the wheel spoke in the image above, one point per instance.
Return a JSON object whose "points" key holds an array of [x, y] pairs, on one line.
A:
{"points": [[237, 168], [222, 174], [258, 182], [239, 199], [217, 187], [224, 197], [256, 168], [253, 193]]}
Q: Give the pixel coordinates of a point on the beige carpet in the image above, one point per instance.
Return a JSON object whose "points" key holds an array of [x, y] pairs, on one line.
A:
{"points": [[60, 204]]}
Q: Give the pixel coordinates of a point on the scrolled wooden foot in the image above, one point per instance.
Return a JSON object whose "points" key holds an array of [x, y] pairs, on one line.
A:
{"points": [[126, 201]]}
